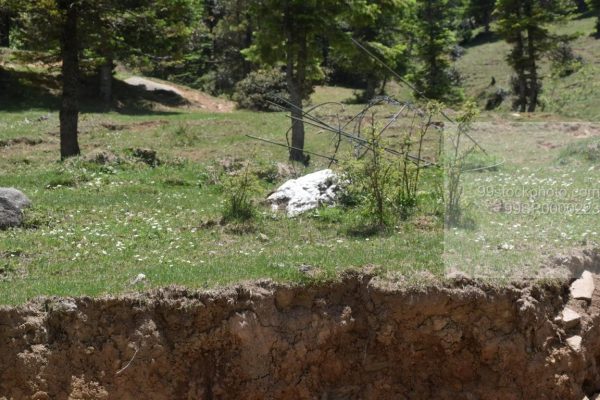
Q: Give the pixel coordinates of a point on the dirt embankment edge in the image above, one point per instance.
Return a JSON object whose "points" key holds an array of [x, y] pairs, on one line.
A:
{"points": [[356, 338]]}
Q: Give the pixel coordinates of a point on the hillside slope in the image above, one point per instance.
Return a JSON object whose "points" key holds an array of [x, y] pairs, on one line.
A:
{"points": [[26, 84], [575, 96]]}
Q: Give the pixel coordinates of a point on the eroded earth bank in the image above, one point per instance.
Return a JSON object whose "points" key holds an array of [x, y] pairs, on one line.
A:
{"points": [[358, 338]]}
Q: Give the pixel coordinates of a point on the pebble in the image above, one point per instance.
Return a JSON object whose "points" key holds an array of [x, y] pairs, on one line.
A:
{"points": [[574, 343], [570, 318]]}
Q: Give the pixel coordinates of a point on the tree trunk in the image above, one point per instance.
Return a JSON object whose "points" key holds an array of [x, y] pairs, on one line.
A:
{"points": [[69, 109], [5, 23], [370, 89], [383, 86], [487, 17], [581, 6], [295, 76], [520, 70], [534, 84], [534, 87], [106, 81], [297, 150]]}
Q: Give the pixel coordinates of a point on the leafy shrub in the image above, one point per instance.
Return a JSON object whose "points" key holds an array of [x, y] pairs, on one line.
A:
{"points": [[258, 88], [385, 182], [454, 165], [494, 97], [185, 136], [371, 185], [239, 191], [564, 60], [384, 187], [267, 171], [457, 52]]}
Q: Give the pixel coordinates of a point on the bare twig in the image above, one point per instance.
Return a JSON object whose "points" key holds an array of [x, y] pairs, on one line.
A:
{"points": [[291, 147], [119, 372], [412, 87]]}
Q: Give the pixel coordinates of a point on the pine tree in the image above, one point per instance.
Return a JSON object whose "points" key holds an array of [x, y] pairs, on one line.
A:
{"points": [[595, 6], [6, 21], [102, 31], [69, 49], [434, 77], [382, 26], [481, 11], [524, 25], [231, 34], [287, 34]]}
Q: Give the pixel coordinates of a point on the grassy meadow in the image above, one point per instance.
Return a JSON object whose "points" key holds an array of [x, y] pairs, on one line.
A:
{"points": [[94, 227]]}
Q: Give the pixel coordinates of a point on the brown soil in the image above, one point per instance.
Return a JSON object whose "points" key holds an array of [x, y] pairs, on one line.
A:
{"points": [[20, 140], [136, 126], [359, 338]]}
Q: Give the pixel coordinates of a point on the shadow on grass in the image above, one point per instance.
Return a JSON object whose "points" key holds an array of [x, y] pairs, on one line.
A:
{"points": [[25, 90], [585, 15], [481, 39], [367, 230], [22, 90]]}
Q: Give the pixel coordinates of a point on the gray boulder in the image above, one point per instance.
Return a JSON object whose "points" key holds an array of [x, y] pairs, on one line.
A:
{"points": [[15, 197], [10, 215]]}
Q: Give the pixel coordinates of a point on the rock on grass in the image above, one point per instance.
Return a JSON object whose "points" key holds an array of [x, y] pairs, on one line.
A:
{"points": [[10, 215], [15, 197], [306, 193]]}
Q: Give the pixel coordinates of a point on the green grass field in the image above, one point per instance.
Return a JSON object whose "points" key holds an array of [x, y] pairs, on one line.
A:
{"points": [[94, 227]]}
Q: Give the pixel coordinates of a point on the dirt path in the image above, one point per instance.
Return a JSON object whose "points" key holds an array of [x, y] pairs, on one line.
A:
{"points": [[194, 97]]}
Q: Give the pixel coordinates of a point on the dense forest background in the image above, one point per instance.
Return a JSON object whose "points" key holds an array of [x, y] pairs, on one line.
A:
{"points": [[256, 51]]}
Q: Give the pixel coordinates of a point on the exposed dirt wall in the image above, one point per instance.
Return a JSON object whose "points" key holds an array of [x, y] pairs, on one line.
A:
{"points": [[355, 339]]}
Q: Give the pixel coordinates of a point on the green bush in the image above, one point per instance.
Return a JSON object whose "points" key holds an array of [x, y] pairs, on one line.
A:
{"points": [[454, 159], [239, 191], [564, 60], [372, 182], [258, 88]]}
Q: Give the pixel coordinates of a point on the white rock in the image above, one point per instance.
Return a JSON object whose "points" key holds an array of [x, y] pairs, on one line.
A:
{"points": [[139, 278], [574, 343], [506, 246], [64, 306], [570, 318], [583, 288], [306, 193]]}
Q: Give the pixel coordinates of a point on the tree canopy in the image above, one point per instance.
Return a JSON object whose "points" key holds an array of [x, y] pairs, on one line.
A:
{"points": [[216, 45]]}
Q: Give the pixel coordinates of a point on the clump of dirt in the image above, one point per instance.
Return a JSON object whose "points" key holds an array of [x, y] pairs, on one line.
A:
{"points": [[136, 126], [357, 338], [102, 157], [21, 140], [147, 156]]}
